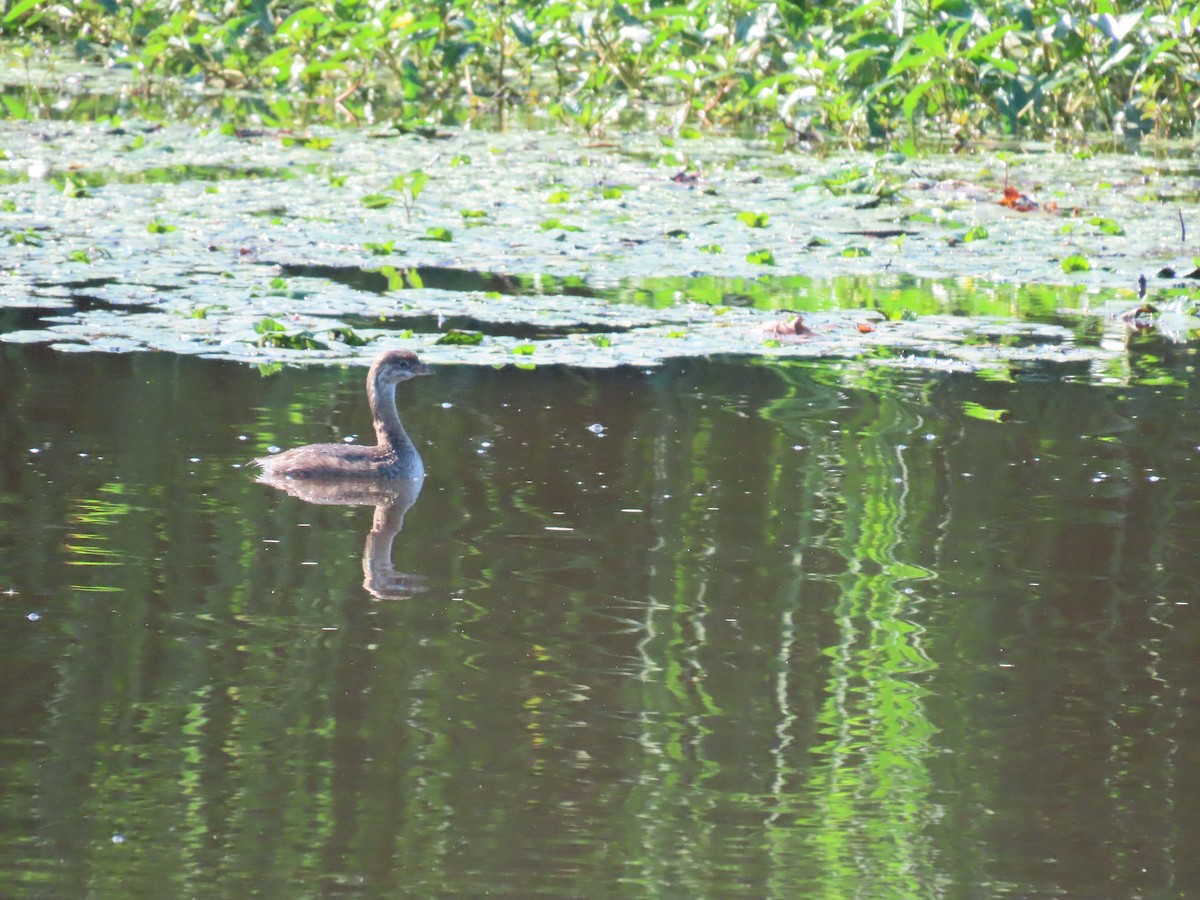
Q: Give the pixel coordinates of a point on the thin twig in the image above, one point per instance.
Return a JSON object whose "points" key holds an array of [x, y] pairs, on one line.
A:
{"points": [[1182, 227]]}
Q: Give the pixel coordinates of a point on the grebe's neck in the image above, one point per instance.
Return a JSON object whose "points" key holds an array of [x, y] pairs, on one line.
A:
{"points": [[389, 433]]}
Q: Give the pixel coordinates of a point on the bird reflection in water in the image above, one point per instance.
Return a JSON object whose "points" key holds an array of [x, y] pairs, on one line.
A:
{"points": [[387, 476], [391, 498]]}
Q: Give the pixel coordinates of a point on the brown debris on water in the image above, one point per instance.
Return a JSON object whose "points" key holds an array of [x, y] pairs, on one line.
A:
{"points": [[793, 328]]}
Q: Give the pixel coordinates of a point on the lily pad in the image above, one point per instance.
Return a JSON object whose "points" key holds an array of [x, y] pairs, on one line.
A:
{"points": [[619, 284]]}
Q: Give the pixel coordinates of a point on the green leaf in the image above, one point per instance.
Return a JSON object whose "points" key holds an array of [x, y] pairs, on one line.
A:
{"points": [[19, 10], [913, 97], [761, 257], [1076, 263], [302, 340], [711, 248], [75, 188], [377, 201], [551, 224], [347, 336], [524, 349], [307, 143], [754, 219], [157, 227], [1106, 226], [417, 182], [456, 338], [978, 233], [437, 233], [268, 325], [28, 237]]}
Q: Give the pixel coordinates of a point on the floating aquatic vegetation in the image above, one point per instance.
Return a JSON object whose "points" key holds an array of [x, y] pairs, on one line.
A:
{"points": [[456, 338], [754, 219], [661, 266]]}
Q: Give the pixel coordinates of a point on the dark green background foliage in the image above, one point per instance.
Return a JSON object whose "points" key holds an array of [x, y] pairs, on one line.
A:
{"points": [[880, 69]]}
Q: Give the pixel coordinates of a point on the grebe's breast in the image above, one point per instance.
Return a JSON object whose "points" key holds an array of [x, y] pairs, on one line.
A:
{"points": [[340, 461]]}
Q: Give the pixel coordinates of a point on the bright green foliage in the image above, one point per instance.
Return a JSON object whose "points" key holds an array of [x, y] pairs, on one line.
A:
{"points": [[754, 219], [272, 333], [348, 336], [454, 337], [552, 224], [377, 201], [855, 70], [268, 326], [1106, 226], [1076, 264], [308, 143]]}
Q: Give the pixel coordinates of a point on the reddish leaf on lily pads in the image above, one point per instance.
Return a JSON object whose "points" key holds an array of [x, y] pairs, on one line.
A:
{"points": [[1015, 200]]}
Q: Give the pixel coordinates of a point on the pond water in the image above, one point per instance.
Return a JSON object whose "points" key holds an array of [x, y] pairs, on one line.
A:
{"points": [[723, 627]]}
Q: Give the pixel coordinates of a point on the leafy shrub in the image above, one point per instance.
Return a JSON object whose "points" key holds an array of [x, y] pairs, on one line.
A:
{"points": [[878, 70]]}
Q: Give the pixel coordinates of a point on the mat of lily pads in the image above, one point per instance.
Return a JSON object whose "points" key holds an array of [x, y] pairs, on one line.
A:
{"points": [[544, 248]]}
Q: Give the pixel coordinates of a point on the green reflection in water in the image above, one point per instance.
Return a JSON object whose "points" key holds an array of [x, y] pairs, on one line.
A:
{"points": [[895, 296], [855, 823], [872, 791], [93, 547]]}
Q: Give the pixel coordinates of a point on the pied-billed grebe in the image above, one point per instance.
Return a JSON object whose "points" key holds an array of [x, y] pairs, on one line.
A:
{"points": [[393, 456]]}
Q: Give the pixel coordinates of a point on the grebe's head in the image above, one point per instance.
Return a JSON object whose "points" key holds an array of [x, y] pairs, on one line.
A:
{"points": [[395, 366]]}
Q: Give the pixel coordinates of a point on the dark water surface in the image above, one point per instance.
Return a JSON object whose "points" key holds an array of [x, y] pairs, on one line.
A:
{"points": [[712, 629]]}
